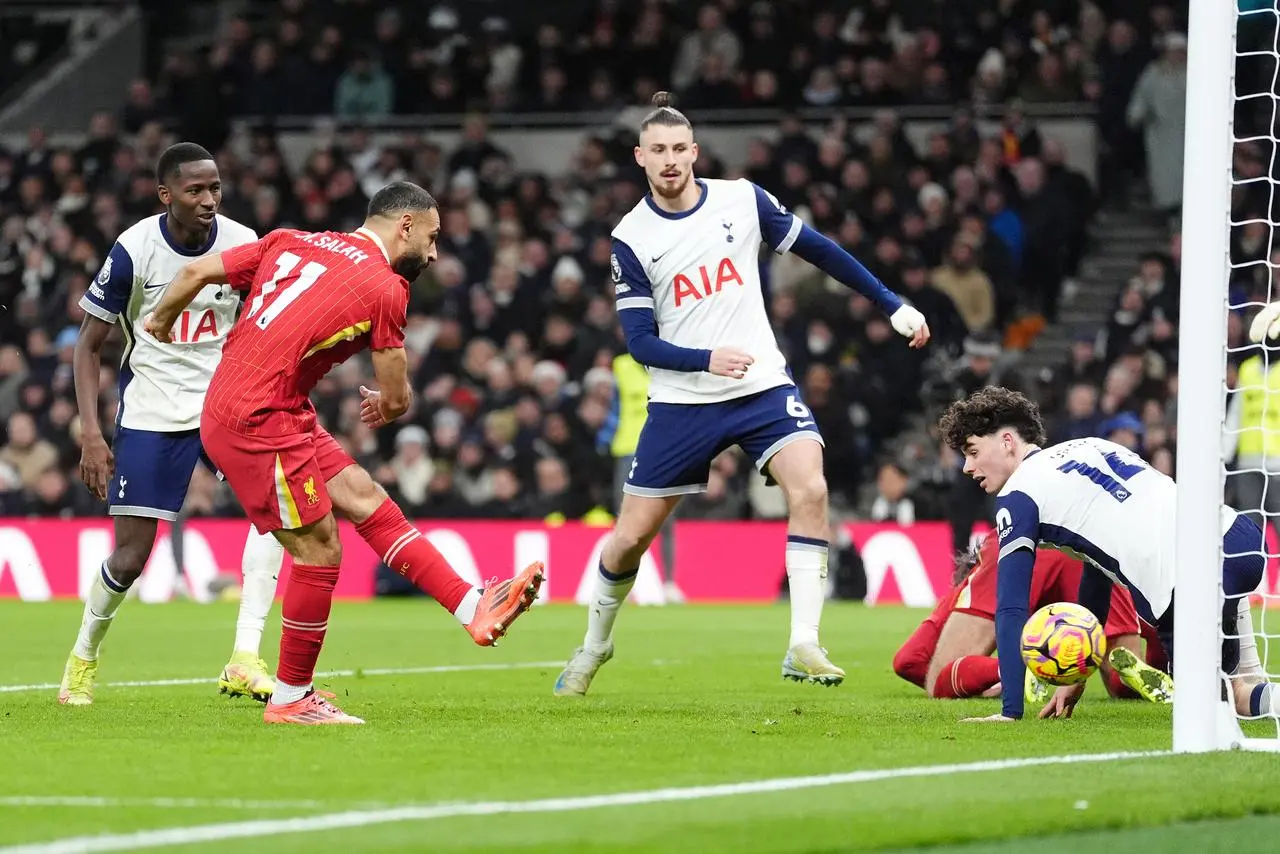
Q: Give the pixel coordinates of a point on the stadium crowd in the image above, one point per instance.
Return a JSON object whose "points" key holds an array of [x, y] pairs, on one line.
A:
{"points": [[512, 333]]}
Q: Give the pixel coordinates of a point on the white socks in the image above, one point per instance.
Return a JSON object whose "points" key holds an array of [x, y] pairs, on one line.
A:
{"points": [[100, 607], [263, 556], [466, 610], [606, 598], [289, 693], [807, 584]]}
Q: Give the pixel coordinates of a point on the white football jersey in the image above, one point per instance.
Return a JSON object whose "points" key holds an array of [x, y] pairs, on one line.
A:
{"points": [[162, 386], [1101, 503], [699, 272]]}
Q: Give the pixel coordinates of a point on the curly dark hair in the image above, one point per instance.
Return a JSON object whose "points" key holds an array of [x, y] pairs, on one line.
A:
{"points": [[986, 411]]}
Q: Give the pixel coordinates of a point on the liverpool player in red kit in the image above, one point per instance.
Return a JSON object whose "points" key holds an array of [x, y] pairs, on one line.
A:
{"points": [[314, 300], [949, 655]]}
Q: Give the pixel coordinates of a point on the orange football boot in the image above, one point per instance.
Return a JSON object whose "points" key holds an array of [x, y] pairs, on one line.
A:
{"points": [[503, 601], [312, 710]]}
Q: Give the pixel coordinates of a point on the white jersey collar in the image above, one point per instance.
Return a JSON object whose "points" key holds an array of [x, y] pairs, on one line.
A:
{"points": [[376, 239]]}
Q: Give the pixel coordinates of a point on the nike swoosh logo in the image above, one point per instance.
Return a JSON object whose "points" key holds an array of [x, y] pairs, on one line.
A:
{"points": [[658, 258], [805, 423], [150, 286]]}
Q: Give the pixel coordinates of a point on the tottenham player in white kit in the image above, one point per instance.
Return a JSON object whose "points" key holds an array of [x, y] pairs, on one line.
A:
{"points": [[144, 477], [686, 274], [1102, 503]]}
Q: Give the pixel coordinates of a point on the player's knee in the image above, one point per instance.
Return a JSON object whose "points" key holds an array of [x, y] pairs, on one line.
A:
{"points": [[127, 562], [910, 665], [629, 542], [808, 496]]}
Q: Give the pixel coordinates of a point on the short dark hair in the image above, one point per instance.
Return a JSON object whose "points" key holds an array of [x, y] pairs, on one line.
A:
{"points": [[176, 156], [985, 412], [664, 114], [400, 197]]}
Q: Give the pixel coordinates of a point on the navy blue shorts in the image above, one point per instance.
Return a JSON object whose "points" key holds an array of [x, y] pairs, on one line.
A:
{"points": [[679, 440], [153, 471], [1243, 565]]}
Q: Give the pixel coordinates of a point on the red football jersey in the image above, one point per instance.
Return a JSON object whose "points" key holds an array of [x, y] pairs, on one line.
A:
{"points": [[315, 299]]}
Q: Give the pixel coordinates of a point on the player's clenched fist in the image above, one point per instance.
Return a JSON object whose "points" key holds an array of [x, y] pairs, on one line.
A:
{"points": [[162, 332], [371, 408], [730, 362], [910, 323]]}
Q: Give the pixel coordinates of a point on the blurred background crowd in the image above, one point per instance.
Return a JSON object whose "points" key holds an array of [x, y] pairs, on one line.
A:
{"points": [[981, 222]]}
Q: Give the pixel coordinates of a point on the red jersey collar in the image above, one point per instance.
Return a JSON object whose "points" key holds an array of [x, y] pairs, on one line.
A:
{"points": [[366, 233]]}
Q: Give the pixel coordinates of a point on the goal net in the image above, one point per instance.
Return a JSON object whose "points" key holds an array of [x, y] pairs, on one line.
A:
{"points": [[1228, 388]]}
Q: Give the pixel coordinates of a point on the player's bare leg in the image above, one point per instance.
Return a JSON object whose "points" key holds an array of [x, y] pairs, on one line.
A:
{"points": [[246, 674], [487, 614], [135, 536], [304, 619], [797, 467], [962, 665], [639, 520]]}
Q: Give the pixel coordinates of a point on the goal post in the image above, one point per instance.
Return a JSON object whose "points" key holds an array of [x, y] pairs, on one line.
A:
{"points": [[1201, 720]]}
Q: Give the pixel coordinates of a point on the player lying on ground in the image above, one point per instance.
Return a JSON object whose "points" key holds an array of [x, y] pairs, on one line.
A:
{"points": [[686, 272], [144, 475], [949, 655], [315, 300], [1095, 499]]}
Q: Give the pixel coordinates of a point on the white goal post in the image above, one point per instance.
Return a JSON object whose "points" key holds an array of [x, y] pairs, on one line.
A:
{"points": [[1202, 719]]}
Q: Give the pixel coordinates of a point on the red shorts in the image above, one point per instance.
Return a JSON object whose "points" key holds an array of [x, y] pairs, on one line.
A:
{"points": [[279, 480], [1056, 578]]}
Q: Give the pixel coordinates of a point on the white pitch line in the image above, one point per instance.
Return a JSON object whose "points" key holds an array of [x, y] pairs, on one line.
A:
{"points": [[92, 802], [364, 818], [373, 671]]}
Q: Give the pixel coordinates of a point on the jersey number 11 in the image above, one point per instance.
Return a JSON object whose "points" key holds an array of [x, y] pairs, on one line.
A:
{"points": [[285, 265]]}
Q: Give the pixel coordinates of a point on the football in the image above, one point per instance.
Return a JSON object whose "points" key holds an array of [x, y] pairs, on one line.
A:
{"points": [[1063, 643]]}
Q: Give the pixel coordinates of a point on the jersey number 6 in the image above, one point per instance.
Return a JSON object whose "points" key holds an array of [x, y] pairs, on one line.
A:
{"points": [[795, 408], [285, 264]]}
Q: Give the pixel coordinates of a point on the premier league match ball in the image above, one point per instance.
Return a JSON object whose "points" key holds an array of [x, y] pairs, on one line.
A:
{"points": [[1063, 643]]}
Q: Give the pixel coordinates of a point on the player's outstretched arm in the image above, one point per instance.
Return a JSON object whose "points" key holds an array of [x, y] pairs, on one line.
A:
{"points": [[784, 232], [190, 280], [831, 258], [96, 460]]}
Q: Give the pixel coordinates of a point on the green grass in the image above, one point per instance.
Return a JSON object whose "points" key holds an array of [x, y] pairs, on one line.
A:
{"points": [[712, 710]]}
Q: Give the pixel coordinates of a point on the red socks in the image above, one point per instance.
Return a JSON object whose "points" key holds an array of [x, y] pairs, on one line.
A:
{"points": [[967, 677], [403, 548], [912, 661], [304, 618], [1116, 687]]}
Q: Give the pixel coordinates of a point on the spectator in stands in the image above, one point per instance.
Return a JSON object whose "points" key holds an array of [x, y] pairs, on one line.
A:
{"points": [[28, 454], [364, 90], [893, 502], [1158, 107], [1081, 418], [711, 37], [968, 287]]}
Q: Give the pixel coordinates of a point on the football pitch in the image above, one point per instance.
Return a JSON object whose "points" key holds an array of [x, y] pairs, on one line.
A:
{"points": [[690, 741]]}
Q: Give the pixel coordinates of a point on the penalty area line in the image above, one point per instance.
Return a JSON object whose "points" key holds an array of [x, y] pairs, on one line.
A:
{"points": [[164, 837]]}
